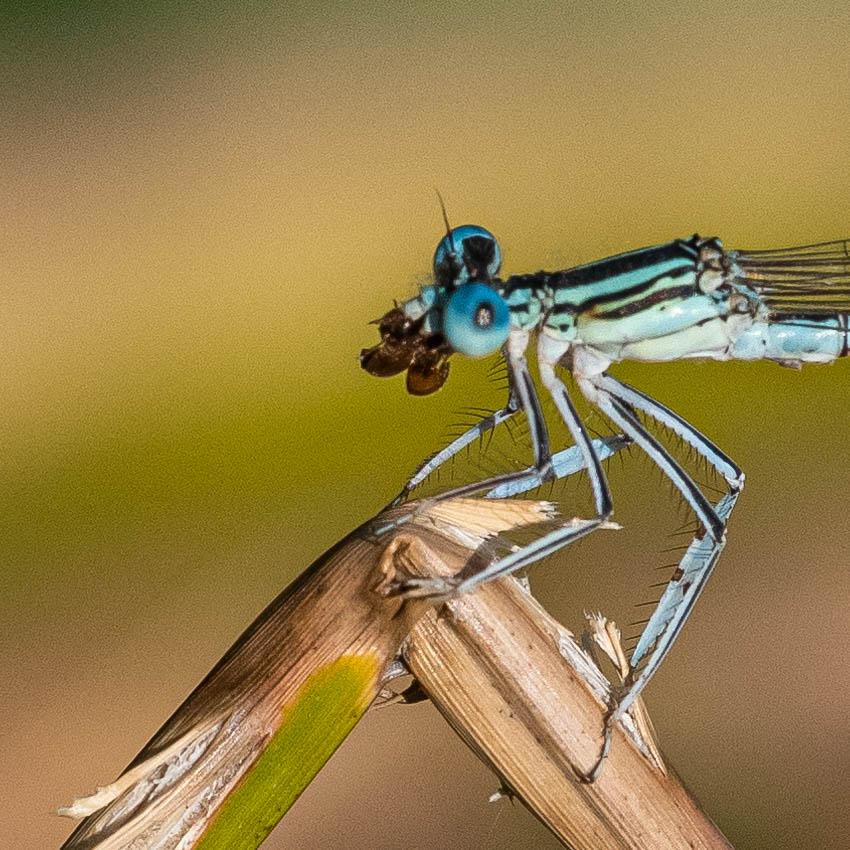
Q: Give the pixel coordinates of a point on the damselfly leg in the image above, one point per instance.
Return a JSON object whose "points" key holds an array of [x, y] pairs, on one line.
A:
{"points": [[476, 432], [660, 633], [681, 427], [620, 414]]}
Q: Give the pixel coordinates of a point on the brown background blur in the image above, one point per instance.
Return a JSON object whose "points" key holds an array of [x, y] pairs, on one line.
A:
{"points": [[201, 211]]}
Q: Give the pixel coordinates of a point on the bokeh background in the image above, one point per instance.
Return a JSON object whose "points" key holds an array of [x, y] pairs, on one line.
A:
{"points": [[203, 205]]}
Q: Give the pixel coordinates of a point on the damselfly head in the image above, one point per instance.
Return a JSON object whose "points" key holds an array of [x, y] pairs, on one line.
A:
{"points": [[461, 312]]}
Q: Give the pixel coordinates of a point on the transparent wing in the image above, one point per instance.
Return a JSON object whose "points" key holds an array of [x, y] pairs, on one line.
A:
{"points": [[808, 278]]}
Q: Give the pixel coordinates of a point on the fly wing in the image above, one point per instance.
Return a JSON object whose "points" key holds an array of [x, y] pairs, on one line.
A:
{"points": [[808, 278]]}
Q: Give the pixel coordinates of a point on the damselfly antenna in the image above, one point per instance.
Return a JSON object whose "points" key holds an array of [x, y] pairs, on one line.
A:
{"points": [[443, 210]]}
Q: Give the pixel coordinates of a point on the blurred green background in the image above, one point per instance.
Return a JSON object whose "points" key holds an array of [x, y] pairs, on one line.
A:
{"points": [[203, 205]]}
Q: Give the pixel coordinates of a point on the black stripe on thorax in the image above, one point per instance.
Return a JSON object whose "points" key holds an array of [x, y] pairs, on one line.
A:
{"points": [[590, 273], [620, 294], [669, 294], [685, 249]]}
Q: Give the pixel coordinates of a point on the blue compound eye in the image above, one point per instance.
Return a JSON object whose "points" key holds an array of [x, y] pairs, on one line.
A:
{"points": [[476, 320], [466, 253]]}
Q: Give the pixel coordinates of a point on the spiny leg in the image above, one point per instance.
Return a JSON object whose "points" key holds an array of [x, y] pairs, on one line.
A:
{"points": [[699, 560], [542, 466], [617, 401], [675, 606], [521, 396], [680, 595], [670, 615], [564, 464], [670, 419], [566, 408], [440, 589], [488, 423], [619, 412]]}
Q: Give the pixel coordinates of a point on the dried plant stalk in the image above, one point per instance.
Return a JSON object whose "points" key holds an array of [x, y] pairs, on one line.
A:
{"points": [[227, 765]]}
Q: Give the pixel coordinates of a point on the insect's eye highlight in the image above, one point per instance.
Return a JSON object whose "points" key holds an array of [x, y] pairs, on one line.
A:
{"points": [[476, 320], [467, 253]]}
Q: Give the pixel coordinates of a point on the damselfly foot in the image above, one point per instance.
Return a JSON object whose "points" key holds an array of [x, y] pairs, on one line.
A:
{"points": [[433, 588], [607, 734]]}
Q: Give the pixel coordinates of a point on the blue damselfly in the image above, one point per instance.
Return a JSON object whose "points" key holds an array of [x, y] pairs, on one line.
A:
{"points": [[689, 298]]}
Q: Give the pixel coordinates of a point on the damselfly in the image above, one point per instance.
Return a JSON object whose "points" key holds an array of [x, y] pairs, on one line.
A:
{"points": [[688, 298]]}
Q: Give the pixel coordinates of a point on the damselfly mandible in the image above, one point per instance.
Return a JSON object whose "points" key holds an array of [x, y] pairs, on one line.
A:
{"points": [[689, 298]]}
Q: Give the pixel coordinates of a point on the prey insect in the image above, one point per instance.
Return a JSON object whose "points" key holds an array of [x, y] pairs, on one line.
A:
{"points": [[689, 298]]}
